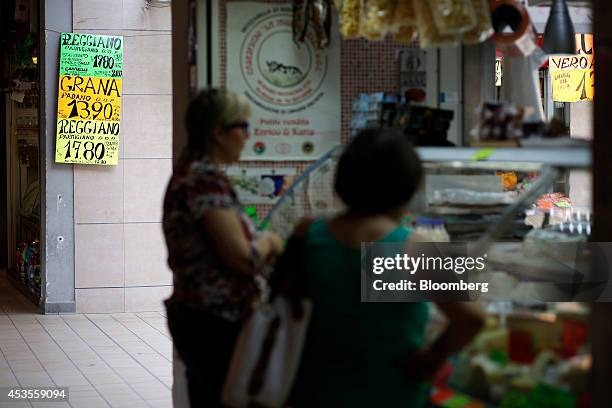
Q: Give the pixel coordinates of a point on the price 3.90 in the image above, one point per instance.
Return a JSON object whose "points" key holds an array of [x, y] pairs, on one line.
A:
{"points": [[83, 110]]}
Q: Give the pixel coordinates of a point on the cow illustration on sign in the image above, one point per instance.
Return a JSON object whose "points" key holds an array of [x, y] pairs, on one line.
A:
{"points": [[283, 75]]}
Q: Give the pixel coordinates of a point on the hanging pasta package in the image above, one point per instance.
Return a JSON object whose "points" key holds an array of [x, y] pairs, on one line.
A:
{"points": [[429, 35], [405, 34], [349, 12], [404, 23], [484, 27], [453, 16], [376, 18]]}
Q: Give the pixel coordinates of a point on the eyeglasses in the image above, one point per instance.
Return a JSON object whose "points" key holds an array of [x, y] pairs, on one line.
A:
{"points": [[242, 125]]}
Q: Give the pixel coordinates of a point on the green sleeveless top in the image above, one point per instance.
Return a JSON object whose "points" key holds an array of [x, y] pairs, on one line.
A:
{"points": [[353, 349]]}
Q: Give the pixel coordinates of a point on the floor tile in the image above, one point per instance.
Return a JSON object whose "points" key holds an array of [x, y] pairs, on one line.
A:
{"points": [[107, 360]]}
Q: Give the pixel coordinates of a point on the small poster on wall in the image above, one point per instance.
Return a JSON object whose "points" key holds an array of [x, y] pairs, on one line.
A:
{"points": [[89, 99], [260, 185], [573, 76], [293, 89]]}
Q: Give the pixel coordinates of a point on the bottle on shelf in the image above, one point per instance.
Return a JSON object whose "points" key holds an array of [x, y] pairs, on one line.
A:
{"points": [[431, 230]]}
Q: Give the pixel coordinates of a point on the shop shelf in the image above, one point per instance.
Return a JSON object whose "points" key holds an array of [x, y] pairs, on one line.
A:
{"points": [[510, 158]]}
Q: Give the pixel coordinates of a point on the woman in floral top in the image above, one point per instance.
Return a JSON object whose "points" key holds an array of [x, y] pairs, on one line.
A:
{"points": [[214, 252]]}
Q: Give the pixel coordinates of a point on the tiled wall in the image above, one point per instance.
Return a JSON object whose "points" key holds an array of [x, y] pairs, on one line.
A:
{"points": [[120, 254]]}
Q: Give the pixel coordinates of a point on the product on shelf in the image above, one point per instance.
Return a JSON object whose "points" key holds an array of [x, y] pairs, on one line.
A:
{"points": [[404, 22], [509, 179], [375, 110], [349, 18], [548, 201], [517, 362], [429, 34], [427, 126], [453, 16], [483, 28], [499, 121], [430, 230], [28, 265], [464, 197], [377, 18], [405, 34], [437, 22]]}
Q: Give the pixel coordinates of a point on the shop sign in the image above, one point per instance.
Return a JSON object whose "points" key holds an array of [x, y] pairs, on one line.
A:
{"points": [[89, 99], [413, 74], [293, 89], [498, 71], [573, 76]]}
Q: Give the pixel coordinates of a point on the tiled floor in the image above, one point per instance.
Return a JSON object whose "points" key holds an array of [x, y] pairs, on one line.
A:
{"points": [[106, 360]]}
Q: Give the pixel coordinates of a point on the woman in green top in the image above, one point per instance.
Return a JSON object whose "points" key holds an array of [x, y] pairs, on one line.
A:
{"points": [[368, 354]]}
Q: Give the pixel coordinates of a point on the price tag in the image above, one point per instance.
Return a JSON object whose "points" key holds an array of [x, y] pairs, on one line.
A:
{"points": [[482, 154]]}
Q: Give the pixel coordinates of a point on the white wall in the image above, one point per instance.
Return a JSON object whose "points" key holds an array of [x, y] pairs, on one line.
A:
{"points": [[581, 126], [120, 254]]}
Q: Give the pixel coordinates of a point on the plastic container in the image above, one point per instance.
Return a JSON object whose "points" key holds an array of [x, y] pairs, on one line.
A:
{"points": [[440, 233], [431, 230]]}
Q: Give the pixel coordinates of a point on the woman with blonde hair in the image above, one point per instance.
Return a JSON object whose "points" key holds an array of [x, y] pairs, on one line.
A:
{"points": [[213, 249]]}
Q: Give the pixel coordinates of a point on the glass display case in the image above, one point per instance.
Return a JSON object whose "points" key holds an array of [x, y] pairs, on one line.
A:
{"points": [[509, 203]]}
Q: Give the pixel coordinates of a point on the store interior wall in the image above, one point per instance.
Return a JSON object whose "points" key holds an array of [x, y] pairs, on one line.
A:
{"points": [[120, 254]]}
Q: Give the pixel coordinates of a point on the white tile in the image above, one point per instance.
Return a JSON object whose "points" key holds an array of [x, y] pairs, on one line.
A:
{"points": [[146, 298], [145, 186], [160, 403], [146, 126], [146, 264], [92, 402], [99, 256], [137, 17], [98, 194], [34, 379], [147, 64], [47, 404], [97, 14], [103, 300]]}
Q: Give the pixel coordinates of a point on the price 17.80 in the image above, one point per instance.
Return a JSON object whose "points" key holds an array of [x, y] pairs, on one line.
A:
{"points": [[75, 149]]}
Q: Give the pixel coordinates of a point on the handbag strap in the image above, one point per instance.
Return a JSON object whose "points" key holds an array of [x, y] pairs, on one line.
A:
{"points": [[257, 378], [261, 367]]}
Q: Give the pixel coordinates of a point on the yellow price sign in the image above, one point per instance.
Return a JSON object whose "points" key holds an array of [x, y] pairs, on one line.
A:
{"points": [[87, 142], [573, 76], [89, 98]]}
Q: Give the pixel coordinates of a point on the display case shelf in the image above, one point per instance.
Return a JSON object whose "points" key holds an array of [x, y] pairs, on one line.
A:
{"points": [[567, 157]]}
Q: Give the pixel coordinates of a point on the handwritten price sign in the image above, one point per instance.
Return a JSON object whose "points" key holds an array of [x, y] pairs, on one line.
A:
{"points": [[91, 55], [89, 99], [573, 76]]}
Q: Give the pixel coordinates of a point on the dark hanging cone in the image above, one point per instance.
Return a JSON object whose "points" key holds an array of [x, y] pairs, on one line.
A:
{"points": [[559, 36]]}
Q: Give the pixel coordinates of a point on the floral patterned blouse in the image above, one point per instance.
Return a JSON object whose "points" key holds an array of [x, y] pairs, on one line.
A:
{"points": [[201, 280]]}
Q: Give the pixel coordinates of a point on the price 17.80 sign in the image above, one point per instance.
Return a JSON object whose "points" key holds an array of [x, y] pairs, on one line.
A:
{"points": [[89, 99]]}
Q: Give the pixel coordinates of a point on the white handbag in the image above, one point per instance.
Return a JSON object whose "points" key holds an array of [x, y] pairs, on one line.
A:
{"points": [[266, 356]]}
